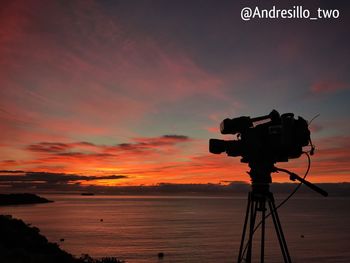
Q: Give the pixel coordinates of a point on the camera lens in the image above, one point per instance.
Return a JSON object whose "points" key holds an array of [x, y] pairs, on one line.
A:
{"points": [[216, 146]]}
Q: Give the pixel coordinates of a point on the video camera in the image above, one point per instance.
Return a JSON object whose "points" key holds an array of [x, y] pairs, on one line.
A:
{"points": [[272, 138]]}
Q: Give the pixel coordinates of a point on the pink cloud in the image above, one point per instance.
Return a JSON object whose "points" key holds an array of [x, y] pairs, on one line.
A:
{"points": [[213, 129], [323, 87]]}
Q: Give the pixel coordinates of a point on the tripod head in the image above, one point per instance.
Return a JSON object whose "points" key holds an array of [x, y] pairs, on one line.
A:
{"points": [[260, 175]]}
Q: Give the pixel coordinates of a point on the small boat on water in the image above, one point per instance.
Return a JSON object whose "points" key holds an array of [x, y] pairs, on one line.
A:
{"points": [[87, 194]]}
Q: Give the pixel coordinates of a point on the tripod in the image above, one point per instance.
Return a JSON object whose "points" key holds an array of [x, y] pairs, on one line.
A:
{"points": [[257, 200], [260, 195]]}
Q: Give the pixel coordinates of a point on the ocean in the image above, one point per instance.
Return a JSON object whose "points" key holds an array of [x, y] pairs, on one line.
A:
{"points": [[187, 228]]}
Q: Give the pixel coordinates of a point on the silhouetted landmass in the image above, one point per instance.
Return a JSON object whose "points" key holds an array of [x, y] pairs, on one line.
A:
{"points": [[20, 243], [21, 199], [232, 188], [12, 181]]}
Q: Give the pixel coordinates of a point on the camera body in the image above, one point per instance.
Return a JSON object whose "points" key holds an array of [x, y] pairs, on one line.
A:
{"points": [[271, 138]]}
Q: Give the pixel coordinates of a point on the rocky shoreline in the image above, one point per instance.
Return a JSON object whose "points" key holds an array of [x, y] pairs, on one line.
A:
{"points": [[22, 243]]}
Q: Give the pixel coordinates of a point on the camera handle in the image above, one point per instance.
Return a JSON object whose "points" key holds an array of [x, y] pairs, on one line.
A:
{"points": [[293, 177]]}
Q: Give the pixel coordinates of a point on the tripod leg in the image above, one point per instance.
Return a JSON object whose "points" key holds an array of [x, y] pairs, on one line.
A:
{"points": [[253, 209], [279, 231], [244, 228], [263, 210]]}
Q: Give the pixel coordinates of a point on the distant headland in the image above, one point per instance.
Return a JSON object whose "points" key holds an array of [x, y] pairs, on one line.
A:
{"points": [[22, 199]]}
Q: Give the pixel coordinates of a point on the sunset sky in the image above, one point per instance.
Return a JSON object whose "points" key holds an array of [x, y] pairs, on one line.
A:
{"points": [[131, 91]]}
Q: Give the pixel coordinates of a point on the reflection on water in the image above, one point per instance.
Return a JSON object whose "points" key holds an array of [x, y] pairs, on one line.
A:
{"points": [[186, 229]]}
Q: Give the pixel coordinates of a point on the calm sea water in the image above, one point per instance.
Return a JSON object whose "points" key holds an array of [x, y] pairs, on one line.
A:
{"points": [[187, 229]]}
